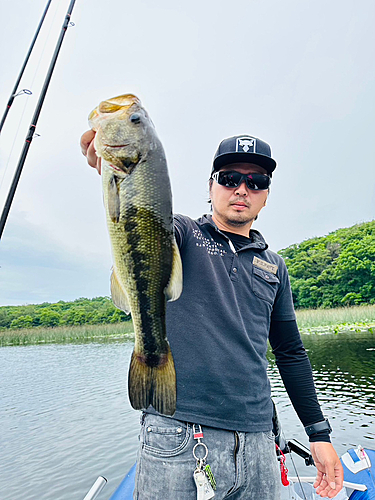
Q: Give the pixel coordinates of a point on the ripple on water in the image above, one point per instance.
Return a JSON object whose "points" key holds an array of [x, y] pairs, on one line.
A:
{"points": [[65, 417], [343, 368]]}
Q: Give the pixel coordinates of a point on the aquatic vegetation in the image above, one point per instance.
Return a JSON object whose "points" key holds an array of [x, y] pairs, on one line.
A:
{"points": [[356, 318], [67, 334]]}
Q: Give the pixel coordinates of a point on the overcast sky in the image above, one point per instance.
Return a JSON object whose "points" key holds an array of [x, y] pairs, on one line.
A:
{"points": [[298, 74]]}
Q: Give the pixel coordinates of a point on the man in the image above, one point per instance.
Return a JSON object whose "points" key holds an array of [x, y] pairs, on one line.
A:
{"points": [[236, 296]]}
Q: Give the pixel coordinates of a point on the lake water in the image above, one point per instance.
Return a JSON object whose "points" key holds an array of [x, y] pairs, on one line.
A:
{"points": [[65, 418]]}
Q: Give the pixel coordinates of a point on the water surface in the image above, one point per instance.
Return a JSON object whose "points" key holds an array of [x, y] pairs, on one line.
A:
{"points": [[65, 417], [344, 373], [64, 420]]}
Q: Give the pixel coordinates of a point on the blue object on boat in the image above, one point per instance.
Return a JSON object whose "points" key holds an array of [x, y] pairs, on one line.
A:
{"points": [[126, 488], [366, 476], [354, 456], [359, 495]]}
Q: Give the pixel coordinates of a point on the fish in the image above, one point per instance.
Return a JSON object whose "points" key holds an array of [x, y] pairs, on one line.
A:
{"points": [[147, 267]]}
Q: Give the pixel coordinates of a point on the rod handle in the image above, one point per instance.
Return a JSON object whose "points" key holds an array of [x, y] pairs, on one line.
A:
{"points": [[96, 488]]}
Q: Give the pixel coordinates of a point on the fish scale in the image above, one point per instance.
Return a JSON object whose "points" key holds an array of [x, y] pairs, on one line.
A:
{"points": [[147, 268]]}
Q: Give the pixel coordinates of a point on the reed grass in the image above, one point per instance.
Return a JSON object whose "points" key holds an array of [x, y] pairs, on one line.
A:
{"points": [[318, 321], [355, 318], [68, 334]]}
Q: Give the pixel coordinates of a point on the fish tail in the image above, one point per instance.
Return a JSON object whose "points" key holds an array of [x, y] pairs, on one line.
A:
{"points": [[154, 386]]}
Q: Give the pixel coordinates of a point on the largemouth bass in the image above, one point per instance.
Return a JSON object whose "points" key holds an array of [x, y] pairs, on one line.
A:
{"points": [[147, 268]]}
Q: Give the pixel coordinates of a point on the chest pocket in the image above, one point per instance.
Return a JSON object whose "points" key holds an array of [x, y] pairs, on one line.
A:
{"points": [[265, 284]]}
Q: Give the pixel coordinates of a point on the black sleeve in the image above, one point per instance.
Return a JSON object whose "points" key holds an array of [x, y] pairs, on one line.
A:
{"points": [[296, 373]]}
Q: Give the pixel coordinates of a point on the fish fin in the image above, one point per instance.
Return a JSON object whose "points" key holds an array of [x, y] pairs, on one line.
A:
{"points": [[174, 287], [154, 386], [93, 119], [113, 200], [119, 296]]}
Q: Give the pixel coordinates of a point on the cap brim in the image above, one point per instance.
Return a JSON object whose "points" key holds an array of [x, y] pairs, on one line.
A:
{"points": [[228, 158]]}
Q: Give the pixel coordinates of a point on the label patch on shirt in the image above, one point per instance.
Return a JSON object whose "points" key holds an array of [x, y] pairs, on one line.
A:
{"points": [[266, 266]]}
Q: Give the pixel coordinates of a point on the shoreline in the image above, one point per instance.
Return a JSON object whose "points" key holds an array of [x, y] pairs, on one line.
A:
{"points": [[67, 334], [310, 322]]}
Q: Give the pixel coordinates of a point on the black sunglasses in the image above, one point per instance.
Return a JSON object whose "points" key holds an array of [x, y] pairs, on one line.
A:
{"points": [[232, 179]]}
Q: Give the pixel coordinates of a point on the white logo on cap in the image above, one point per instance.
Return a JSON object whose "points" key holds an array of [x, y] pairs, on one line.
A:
{"points": [[245, 144]]}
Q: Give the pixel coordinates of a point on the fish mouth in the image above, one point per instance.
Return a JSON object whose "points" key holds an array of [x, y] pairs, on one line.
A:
{"points": [[115, 146], [116, 168]]}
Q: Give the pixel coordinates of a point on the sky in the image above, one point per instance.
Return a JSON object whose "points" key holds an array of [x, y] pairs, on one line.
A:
{"points": [[298, 75]]}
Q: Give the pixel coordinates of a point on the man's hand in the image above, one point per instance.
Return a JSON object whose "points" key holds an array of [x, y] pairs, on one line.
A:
{"points": [[88, 150], [330, 476]]}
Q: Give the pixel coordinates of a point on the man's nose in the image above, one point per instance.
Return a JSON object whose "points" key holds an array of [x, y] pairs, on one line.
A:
{"points": [[241, 189]]}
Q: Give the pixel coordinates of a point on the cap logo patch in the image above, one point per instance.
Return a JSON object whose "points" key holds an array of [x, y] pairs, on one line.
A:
{"points": [[245, 144]]}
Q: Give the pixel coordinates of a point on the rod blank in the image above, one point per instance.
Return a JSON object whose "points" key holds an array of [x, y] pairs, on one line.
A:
{"points": [[34, 121], [13, 94]]}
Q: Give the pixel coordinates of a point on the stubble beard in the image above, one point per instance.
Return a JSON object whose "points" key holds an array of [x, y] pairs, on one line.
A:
{"points": [[240, 221]]}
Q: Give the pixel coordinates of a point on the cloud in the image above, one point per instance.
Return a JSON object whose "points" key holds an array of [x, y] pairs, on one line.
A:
{"points": [[35, 267], [295, 74]]}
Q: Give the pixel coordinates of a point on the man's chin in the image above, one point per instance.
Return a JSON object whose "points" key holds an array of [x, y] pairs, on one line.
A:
{"points": [[239, 221]]}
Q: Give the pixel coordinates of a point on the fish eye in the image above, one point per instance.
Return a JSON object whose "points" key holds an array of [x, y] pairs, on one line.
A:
{"points": [[135, 118]]}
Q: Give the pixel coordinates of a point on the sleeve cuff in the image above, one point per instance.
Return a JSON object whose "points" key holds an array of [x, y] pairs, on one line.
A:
{"points": [[320, 436]]}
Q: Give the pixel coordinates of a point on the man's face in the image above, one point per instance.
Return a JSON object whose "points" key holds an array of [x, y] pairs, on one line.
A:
{"points": [[234, 209]]}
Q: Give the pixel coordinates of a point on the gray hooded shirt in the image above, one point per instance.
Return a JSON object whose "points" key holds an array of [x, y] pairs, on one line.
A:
{"points": [[218, 328]]}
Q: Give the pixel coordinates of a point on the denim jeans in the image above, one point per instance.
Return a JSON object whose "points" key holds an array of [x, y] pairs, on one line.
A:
{"points": [[244, 464]]}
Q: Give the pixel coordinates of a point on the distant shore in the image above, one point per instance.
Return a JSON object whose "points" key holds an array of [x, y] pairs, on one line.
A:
{"points": [[310, 321]]}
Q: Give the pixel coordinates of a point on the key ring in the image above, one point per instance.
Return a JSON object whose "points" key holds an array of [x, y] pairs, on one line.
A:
{"points": [[205, 450]]}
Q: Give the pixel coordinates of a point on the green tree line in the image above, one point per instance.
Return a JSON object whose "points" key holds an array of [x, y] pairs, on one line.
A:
{"points": [[333, 270], [81, 311], [329, 271]]}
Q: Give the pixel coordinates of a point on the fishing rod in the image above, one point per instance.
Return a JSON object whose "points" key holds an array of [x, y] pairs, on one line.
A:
{"points": [[31, 132], [13, 95], [96, 488]]}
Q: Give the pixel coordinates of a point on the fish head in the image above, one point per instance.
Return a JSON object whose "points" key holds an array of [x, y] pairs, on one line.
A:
{"points": [[124, 132]]}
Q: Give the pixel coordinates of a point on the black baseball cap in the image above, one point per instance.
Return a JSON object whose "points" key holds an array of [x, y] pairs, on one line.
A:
{"points": [[243, 149]]}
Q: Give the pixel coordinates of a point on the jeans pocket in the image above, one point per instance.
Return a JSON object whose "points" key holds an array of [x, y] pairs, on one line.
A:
{"points": [[164, 437], [270, 436]]}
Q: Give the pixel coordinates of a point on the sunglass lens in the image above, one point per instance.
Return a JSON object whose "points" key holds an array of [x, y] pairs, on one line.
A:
{"points": [[232, 179], [257, 181], [229, 179]]}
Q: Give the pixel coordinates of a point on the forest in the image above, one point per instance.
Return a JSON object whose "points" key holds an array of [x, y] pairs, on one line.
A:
{"points": [[334, 270], [325, 272], [81, 311]]}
